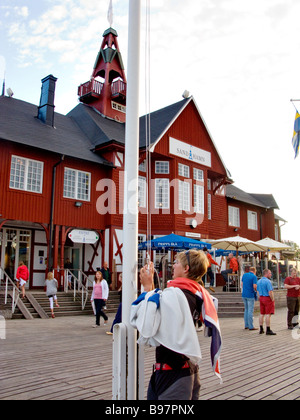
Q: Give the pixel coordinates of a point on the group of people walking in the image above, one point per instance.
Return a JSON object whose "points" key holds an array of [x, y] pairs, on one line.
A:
{"points": [[99, 297], [51, 285], [252, 290]]}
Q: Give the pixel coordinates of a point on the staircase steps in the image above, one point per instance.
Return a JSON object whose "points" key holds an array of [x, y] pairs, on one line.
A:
{"points": [[68, 306], [71, 307], [230, 304]]}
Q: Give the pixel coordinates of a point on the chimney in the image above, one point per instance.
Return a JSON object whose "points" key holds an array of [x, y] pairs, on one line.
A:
{"points": [[46, 107]]}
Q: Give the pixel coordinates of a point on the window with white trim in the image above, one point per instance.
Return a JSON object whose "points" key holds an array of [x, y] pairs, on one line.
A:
{"points": [[142, 191], [233, 216], [77, 184], [183, 170], [161, 167], [118, 107], [209, 206], [208, 184], [252, 220], [276, 233], [26, 174], [183, 196], [162, 193], [198, 174], [199, 198]]}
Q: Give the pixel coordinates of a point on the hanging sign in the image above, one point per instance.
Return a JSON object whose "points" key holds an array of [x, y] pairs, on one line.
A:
{"points": [[83, 236]]}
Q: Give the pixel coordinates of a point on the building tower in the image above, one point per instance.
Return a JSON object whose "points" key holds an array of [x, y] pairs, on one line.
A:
{"points": [[106, 90]]}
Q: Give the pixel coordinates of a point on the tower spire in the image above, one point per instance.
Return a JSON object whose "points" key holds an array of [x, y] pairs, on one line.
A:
{"points": [[106, 90]]}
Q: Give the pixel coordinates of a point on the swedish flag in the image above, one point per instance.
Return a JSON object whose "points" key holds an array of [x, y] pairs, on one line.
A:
{"points": [[296, 136]]}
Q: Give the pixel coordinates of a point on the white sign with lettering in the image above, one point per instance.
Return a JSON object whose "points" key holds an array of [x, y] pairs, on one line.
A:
{"points": [[189, 152], [83, 236]]}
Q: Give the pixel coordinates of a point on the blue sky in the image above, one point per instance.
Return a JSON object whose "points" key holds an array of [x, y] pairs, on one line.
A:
{"points": [[240, 60]]}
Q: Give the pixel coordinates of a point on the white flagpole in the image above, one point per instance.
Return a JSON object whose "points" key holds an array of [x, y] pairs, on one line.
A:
{"points": [[130, 218], [110, 14]]}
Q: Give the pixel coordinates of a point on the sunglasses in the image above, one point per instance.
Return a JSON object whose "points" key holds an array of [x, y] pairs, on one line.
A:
{"points": [[187, 254]]}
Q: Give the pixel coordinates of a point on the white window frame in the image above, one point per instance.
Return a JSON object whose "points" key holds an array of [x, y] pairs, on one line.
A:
{"points": [[184, 200], [141, 254], [183, 170], [142, 192], [162, 193], [276, 233], [198, 174], [20, 177], [74, 191], [118, 107], [209, 206], [252, 220], [208, 184], [199, 198], [162, 167], [233, 216]]}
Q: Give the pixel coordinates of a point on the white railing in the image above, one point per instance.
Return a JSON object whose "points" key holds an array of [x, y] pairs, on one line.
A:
{"points": [[9, 286], [117, 87], [92, 86], [79, 286]]}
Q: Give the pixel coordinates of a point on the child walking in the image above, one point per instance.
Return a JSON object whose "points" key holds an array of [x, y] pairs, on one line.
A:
{"points": [[51, 290], [22, 276]]}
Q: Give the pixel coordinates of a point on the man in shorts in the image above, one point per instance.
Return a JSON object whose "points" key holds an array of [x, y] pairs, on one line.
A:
{"points": [[266, 301]]}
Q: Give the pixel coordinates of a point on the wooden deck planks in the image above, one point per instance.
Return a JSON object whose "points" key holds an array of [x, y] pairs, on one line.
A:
{"points": [[66, 359]]}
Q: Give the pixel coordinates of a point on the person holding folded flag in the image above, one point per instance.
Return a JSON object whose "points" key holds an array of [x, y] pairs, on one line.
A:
{"points": [[164, 320]]}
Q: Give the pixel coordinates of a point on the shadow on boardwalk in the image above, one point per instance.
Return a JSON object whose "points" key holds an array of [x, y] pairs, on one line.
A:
{"points": [[65, 358]]}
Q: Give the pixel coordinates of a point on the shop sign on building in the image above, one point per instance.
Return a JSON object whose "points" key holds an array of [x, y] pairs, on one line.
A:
{"points": [[83, 236], [189, 152]]}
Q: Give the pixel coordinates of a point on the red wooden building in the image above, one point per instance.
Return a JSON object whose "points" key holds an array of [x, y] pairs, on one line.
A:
{"points": [[66, 172]]}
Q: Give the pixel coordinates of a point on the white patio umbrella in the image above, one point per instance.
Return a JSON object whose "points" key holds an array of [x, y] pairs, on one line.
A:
{"points": [[238, 243], [272, 245]]}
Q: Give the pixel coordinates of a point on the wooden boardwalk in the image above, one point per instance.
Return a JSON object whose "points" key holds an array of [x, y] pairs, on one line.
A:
{"points": [[66, 359]]}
